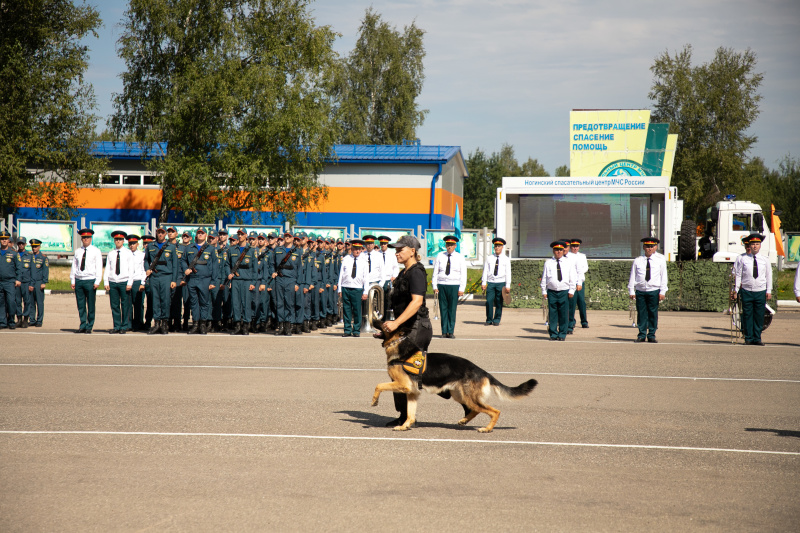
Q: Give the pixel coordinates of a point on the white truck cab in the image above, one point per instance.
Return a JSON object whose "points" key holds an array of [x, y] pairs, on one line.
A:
{"points": [[726, 223]]}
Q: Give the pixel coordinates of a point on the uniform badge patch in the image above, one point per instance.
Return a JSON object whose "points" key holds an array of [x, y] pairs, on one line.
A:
{"points": [[415, 364]]}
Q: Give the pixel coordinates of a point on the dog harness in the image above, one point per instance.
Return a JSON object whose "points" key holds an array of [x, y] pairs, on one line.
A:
{"points": [[416, 364]]}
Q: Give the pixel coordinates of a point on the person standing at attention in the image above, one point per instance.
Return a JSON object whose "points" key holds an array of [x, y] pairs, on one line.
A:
{"points": [[648, 286], [84, 278], [449, 280], [496, 281], [118, 280], [558, 287]]}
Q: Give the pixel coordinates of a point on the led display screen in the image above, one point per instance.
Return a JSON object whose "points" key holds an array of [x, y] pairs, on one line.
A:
{"points": [[611, 226]]}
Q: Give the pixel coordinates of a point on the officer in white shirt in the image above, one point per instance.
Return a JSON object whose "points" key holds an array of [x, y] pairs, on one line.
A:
{"points": [[579, 301], [353, 287], [559, 279], [137, 289], [648, 286], [373, 260], [118, 279], [449, 281], [496, 281], [754, 284], [84, 278]]}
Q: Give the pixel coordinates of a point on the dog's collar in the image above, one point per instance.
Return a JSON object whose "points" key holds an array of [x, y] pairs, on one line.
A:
{"points": [[397, 340]]}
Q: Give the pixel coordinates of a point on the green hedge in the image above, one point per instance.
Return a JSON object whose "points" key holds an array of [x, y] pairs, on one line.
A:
{"points": [[692, 286]]}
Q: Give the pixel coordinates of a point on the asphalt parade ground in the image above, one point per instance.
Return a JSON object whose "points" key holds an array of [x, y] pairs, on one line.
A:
{"points": [[261, 433]]}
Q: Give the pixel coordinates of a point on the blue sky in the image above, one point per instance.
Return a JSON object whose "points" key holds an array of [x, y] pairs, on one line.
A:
{"points": [[510, 71]]}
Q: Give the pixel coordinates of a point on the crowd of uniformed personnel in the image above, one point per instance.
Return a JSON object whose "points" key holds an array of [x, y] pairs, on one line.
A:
{"points": [[295, 283]]}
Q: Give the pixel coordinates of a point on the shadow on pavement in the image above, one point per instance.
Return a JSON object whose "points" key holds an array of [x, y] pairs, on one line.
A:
{"points": [[368, 420], [778, 432]]}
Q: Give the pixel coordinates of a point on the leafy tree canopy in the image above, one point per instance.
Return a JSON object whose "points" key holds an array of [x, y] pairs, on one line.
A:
{"points": [[710, 107], [46, 107], [486, 175], [237, 90], [376, 87]]}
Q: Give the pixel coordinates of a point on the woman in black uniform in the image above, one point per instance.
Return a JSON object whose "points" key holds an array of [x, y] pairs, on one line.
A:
{"points": [[408, 302]]}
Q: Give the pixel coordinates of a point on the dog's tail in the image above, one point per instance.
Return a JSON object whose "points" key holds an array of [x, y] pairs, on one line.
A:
{"points": [[512, 393]]}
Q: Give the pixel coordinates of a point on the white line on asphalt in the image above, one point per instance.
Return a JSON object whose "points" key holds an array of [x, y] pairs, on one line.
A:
{"points": [[335, 369], [727, 344], [398, 439]]}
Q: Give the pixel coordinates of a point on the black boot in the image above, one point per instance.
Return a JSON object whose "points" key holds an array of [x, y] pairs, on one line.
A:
{"points": [[246, 328], [313, 325], [306, 326], [195, 329], [203, 327], [287, 329], [24, 322], [156, 327], [278, 329], [165, 327], [19, 322], [237, 328], [297, 328]]}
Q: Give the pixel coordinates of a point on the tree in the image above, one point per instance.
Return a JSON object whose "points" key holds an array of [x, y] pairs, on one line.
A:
{"points": [[562, 171], [377, 86], [237, 91], [787, 194], [533, 169], [485, 176], [710, 107], [46, 107]]}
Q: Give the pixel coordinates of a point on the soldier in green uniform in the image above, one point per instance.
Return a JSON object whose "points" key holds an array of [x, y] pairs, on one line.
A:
{"points": [[163, 277], [148, 289], [23, 295], [9, 277], [262, 296], [285, 265], [218, 293], [40, 276], [243, 276], [200, 280]]}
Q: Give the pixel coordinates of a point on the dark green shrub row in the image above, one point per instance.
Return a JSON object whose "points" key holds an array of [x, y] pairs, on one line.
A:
{"points": [[693, 285]]}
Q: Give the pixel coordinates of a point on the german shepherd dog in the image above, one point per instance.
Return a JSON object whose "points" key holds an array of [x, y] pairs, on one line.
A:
{"points": [[466, 382]]}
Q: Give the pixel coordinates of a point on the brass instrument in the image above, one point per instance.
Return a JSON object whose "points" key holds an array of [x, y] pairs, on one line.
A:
{"points": [[436, 306], [472, 289], [632, 312], [374, 309], [735, 309], [544, 311]]}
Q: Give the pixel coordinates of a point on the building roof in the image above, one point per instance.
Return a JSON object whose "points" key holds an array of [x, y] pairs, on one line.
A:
{"points": [[344, 153]]}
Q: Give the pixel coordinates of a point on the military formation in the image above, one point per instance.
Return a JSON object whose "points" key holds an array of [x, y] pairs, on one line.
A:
{"points": [[296, 283], [23, 277]]}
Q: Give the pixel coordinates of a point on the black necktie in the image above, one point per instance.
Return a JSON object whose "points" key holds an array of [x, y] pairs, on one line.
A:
{"points": [[118, 256], [647, 271], [384, 257], [355, 266], [369, 260], [558, 268], [496, 265], [83, 260], [447, 270], [755, 268]]}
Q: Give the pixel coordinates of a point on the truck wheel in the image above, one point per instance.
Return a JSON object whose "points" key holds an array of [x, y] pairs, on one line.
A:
{"points": [[686, 243]]}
